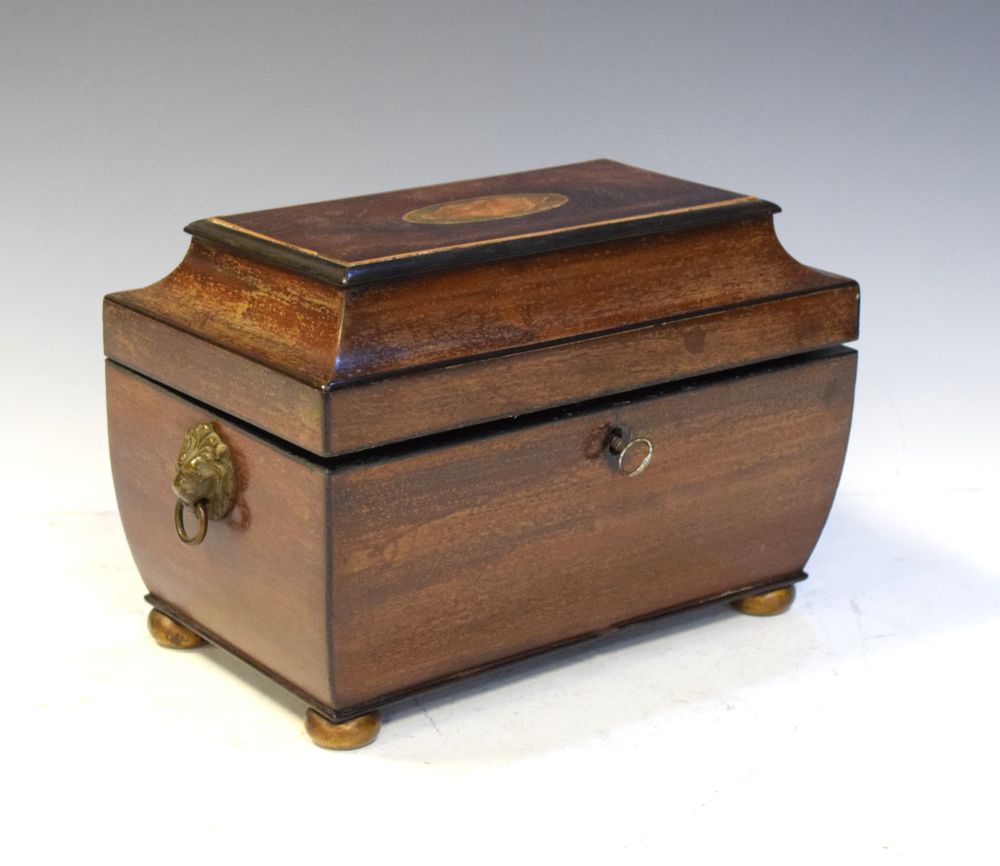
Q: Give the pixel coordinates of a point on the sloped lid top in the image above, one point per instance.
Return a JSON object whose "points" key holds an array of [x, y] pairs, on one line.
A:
{"points": [[373, 237]]}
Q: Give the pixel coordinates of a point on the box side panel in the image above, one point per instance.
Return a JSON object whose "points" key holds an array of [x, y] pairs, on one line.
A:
{"points": [[258, 580], [239, 386], [459, 557]]}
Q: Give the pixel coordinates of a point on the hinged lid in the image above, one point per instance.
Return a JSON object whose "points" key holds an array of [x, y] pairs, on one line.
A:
{"points": [[370, 237], [355, 323]]}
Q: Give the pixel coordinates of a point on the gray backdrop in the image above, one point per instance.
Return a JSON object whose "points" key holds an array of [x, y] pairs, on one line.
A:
{"points": [[875, 125]]}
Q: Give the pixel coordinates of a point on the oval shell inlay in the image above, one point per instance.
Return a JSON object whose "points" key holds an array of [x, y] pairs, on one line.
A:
{"points": [[486, 207]]}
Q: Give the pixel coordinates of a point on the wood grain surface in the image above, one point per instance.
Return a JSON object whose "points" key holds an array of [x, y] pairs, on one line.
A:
{"points": [[336, 370], [259, 580], [353, 581], [445, 398], [459, 556], [368, 237]]}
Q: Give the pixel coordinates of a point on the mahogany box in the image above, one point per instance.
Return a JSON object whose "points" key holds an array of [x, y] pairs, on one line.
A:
{"points": [[376, 444]]}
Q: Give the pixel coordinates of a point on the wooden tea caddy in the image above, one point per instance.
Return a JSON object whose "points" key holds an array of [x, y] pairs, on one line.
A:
{"points": [[373, 445]]}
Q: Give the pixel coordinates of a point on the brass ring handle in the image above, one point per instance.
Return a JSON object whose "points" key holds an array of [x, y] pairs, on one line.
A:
{"points": [[205, 481], [620, 448], [202, 512]]}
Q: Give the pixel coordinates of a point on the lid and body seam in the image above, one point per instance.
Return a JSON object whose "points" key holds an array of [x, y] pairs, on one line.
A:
{"points": [[371, 413]]}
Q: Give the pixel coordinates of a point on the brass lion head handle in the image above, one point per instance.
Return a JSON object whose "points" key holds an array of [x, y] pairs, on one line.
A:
{"points": [[205, 481]]}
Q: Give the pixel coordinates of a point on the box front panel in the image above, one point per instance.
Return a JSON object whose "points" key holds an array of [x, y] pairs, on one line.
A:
{"points": [[460, 556]]}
